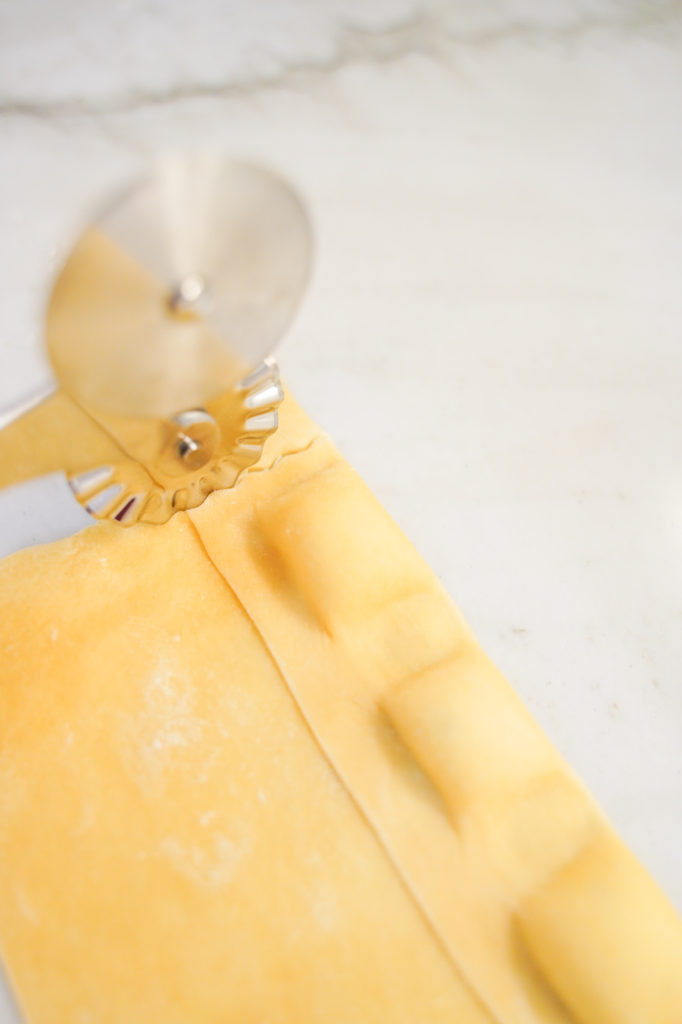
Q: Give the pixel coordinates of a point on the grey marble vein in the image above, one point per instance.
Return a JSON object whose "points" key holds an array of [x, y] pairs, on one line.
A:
{"points": [[437, 31]]}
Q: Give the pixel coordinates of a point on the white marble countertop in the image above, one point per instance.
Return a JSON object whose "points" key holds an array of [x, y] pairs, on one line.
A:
{"points": [[493, 331]]}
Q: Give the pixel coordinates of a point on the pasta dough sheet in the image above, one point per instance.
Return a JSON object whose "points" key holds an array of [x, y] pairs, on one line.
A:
{"points": [[255, 768]]}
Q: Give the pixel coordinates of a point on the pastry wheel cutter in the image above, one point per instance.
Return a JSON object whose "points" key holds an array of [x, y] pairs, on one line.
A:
{"points": [[159, 332]]}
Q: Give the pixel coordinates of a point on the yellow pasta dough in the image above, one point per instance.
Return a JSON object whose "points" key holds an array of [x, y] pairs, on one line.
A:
{"points": [[254, 768]]}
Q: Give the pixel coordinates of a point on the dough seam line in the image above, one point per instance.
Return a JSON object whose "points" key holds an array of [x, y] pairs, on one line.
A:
{"points": [[405, 882]]}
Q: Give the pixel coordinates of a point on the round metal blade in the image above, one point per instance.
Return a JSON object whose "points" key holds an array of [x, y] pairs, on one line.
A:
{"points": [[185, 281]]}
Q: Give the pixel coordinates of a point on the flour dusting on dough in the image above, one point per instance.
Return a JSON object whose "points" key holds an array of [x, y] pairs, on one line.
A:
{"points": [[324, 904], [25, 907], [207, 868], [86, 820], [165, 723], [12, 791]]}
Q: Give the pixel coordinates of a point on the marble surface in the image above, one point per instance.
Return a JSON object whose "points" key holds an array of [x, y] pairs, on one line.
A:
{"points": [[492, 335]]}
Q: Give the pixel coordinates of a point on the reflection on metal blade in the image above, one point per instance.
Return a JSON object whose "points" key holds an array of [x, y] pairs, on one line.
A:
{"points": [[184, 283]]}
